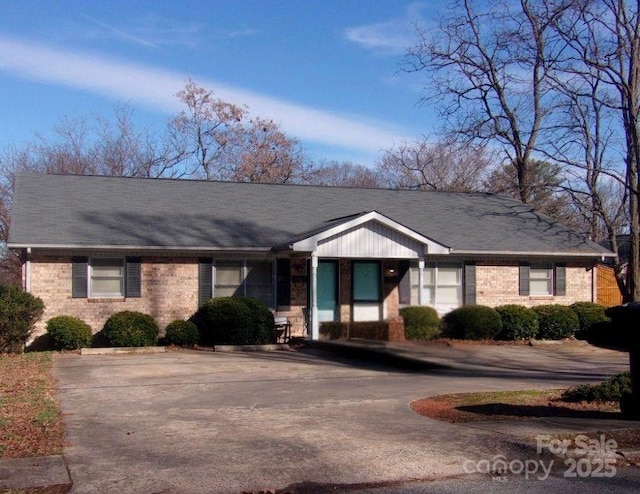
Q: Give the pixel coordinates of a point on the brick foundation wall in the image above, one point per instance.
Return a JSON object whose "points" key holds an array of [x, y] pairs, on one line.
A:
{"points": [[169, 292], [498, 284]]}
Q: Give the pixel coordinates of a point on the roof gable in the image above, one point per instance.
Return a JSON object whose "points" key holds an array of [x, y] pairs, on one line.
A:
{"points": [[368, 234]]}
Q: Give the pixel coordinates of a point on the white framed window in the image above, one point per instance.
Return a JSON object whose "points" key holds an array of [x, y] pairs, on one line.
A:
{"points": [[106, 278], [541, 280], [442, 285], [245, 279]]}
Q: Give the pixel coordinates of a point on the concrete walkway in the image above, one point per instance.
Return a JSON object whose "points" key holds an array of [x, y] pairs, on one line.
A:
{"points": [[311, 419]]}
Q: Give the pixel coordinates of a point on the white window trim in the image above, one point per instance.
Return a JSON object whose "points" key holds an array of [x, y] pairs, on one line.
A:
{"points": [[423, 287], [90, 291], [243, 282], [550, 278]]}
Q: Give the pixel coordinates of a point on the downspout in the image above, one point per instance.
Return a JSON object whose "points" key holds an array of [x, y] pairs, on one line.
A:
{"points": [[27, 271], [315, 324], [421, 297]]}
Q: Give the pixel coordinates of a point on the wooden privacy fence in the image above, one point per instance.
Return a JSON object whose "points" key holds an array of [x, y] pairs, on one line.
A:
{"points": [[608, 291]]}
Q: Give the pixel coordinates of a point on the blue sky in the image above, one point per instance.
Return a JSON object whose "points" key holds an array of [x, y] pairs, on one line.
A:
{"points": [[326, 71]]}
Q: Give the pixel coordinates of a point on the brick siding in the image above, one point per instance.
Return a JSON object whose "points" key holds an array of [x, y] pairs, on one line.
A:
{"points": [[498, 284], [169, 292]]}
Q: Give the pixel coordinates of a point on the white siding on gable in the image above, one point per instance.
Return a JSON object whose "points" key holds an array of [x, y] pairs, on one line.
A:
{"points": [[371, 240]]}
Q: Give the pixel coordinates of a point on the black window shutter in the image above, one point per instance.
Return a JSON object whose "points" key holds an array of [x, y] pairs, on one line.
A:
{"points": [[469, 284], [283, 288], [205, 281], [79, 277], [134, 278], [524, 279], [404, 287], [561, 280]]}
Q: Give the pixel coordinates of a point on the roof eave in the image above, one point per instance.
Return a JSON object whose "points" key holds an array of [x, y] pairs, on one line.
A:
{"points": [[513, 253], [18, 245]]}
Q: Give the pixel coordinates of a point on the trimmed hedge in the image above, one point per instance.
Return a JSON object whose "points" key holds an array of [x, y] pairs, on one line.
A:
{"points": [[181, 333], [234, 321], [472, 322], [69, 333], [130, 329], [518, 323], [589, 314], [420, 323], [19, 312], [556, 321]]}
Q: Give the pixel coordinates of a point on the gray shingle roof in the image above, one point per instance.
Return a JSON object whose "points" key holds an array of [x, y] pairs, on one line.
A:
{"points": [[71, 210]]}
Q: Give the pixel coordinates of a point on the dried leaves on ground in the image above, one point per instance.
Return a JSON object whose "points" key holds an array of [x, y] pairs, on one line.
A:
{"points": [[30, 420], [470, 407]]}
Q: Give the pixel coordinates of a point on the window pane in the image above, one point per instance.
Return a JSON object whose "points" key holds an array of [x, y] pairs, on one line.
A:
{"points": [[429, 295], [106, 267], [106, 286], [228, 291], [448, 275], [366, 281], [449, 295], [107, 278], [228, 273], [429, 276], [259, 273], [262, 293], [540, 280], [540, 287], [540, 273]]}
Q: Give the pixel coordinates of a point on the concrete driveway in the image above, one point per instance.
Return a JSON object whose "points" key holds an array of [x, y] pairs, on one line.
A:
{"points": [[189, 421]]}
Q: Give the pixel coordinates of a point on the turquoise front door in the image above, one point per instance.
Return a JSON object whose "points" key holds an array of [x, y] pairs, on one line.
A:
{"points": [[366, 277], [327, 291]]}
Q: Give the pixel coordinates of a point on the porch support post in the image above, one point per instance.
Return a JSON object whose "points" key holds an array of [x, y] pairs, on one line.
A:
{"points": [[421, 297], [315, 324]]}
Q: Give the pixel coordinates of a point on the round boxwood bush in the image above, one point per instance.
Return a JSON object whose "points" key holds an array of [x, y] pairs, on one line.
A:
{"points": [[69, 333], [181, 333], [420, 323], [130, 328], [472, 322], [556, 321], [234, 321], [518, 323], [589, 314]]}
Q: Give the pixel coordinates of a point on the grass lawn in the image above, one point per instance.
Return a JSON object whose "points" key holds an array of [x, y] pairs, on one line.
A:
{"points": [[30, 419]]}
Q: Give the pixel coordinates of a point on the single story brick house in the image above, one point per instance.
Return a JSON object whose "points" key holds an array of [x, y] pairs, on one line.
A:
{"points": [[92, 246]]}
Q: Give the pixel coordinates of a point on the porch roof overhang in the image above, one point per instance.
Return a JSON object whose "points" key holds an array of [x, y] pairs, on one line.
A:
{"points": [[387, 233]]}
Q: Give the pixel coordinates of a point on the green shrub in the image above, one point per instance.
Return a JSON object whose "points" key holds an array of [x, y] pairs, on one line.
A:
{"points": [[19, 312], [130, 328], [234, 321], [613, 389], [334, 330], [518, 323], [420, 323], [182, 333], [556, 321], [472, 322], [69, 333], [589, 314]]}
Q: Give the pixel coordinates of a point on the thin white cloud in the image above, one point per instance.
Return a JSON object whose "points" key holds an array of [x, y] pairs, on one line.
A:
{"points": [[156, 88], [119, 33], [391, 37]]}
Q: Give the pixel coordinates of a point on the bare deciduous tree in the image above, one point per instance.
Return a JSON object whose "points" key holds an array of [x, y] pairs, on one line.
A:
{"points": [[599, 76], [206, 129], [488, 69], [422, 165], [263, 153], [345, 174]]}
